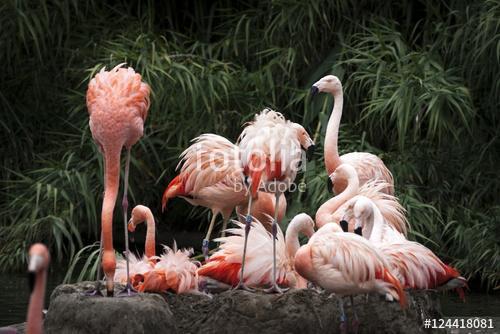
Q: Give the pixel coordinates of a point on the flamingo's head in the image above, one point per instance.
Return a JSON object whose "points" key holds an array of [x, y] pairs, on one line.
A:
{"points": [[343, 172], [362, 210], [38, 261], [304, 223], [328, 84], [305, 139]]}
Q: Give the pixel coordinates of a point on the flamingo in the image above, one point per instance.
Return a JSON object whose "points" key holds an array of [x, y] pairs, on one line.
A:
{"points": [[211, 175], [174, 271], [38, 265], [138, 267], [416, 266], [335, 208], [346, 264], [118, 103], [225, 265], [270, 156], [367, 165]]}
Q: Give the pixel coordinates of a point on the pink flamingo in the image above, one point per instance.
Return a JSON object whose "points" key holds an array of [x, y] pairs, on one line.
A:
{"points": [[118, 103], [174, 271], [367, 165], [334, 209], [346, 264], [38, 265], [225, 264], [211, 175], [416, 266], [270, 156], [138, 267]]}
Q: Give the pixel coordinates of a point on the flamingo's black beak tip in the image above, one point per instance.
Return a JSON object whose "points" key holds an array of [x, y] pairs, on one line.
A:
{"points": [[310, 152], [345, 225], [329, 185], [314, 91], [359, 231]]}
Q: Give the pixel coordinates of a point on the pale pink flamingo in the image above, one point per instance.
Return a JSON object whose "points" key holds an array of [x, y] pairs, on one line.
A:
{"points": [[270, 154], [38, 265], [346, 264], [225, 264], [118, 102], [211, 175], [334, 209], [416, 266], [368, 166], [138, 267]]}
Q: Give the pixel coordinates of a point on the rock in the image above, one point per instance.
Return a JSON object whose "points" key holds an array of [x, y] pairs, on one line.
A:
{"points": [[70, 311], [235, 311], [298, 311]]}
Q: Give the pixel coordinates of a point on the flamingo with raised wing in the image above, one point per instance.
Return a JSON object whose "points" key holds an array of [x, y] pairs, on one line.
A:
{"points": [[367, 165]]}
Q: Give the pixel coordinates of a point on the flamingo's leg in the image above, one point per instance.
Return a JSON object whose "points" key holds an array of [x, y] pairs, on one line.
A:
{"points": [[343, 317], [97, 289], [204, 245], [224, 226], [129, 290], [355, 320], [248, 224], [274, 285]]}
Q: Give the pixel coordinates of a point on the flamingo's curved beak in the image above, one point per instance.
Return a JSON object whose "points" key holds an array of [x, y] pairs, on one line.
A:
{"points": [[314, 91], [345, 225], [329, 185], [310, 152], [359, 231]]}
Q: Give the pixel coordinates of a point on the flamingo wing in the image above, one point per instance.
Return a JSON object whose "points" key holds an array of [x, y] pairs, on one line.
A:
{"points": [[178, 270], [225, 264]]}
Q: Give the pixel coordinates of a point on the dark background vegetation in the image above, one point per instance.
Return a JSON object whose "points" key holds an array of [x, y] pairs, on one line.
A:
{"points": [[421, 81]]}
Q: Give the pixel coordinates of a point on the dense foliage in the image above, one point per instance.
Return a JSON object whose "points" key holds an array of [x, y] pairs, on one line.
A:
{"points": [[421, 80]]}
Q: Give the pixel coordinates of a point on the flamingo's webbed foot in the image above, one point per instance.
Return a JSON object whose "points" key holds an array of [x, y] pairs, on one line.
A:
{"points": [[129, 291], [276, 289], [96, 292], [242, 286]]}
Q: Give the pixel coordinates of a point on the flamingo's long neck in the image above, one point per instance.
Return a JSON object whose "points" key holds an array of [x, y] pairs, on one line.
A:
{"points": [[111, 184], [373, 228], [325, 211], [34, 319], [331, 152], [150, 248], [292, 237]]}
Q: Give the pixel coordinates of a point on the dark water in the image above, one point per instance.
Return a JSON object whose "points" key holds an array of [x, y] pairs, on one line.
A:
{"points": [[14, 296]]}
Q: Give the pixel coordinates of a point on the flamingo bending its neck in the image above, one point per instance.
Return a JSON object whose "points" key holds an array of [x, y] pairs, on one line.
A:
{"points": [[225, 264], [271, 152], [367, 165], [118, 102], [416, 266], [334, 210], [138, 267], [346, 264]]}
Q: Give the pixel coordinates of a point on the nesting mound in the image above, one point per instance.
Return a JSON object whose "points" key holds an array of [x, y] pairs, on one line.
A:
{"points": [[296, 311]]}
